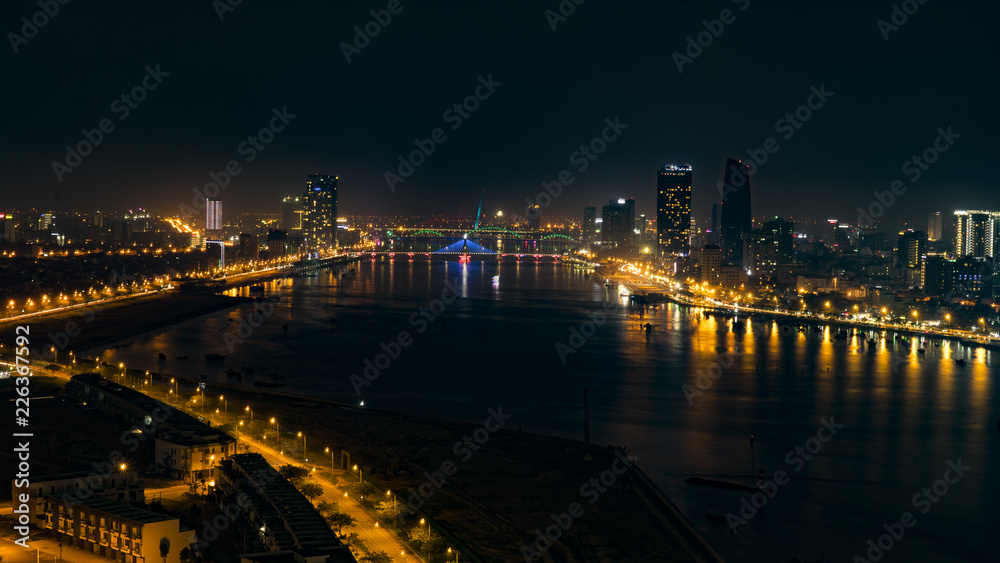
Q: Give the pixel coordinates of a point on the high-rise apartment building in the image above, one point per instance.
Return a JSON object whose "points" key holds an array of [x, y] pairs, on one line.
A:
{"points": [[761, 254], [736, 219], [709, 260], [618, 223], [249, 247], [976, 233], [589, 225], [673, 209], [910, 252], [319, 222], [785, 233]]}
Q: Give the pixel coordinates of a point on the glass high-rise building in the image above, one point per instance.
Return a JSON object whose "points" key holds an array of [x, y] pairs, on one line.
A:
{"points": [[319, 220], [673, 209], [935, 226], [213, 215], [736, 219]]}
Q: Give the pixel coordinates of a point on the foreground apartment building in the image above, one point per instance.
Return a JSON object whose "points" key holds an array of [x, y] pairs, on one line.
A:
{"points": [[90, 511]]}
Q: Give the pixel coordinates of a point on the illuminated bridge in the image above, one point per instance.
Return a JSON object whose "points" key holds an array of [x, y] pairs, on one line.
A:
{"points": [[483, 243]]}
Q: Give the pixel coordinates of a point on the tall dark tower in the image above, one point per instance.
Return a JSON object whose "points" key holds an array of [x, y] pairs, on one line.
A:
{"points": [[673, 209], [736, 217]]}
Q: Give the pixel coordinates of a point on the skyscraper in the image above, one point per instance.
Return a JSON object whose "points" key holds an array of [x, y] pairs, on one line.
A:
{"points": [[291, 214], [736, 219], [589, 225], [911, 250], [213, 215], [935, 226], [618, 223], [785, 233], [761, 254], [319, 221], [975, 233], [673, 209]]}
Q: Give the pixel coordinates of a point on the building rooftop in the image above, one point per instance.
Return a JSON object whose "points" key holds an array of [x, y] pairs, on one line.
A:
{"points": [[173, 420], [121, 510], [292, 520]]}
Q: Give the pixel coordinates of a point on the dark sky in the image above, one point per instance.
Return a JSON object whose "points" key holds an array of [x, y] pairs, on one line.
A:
{"points": [[607, 59]]}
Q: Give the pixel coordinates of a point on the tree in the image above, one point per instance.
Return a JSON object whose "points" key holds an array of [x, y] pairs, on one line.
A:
{"points": [[326, 507], [364, 488], [426, 538], [185, 555], [164, 548], [340, 519], [389, 509], [293, 473], [376, 557], [311, 490]]}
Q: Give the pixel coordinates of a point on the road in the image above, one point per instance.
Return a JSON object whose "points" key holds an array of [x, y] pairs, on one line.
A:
{"points": [[372, 535]]}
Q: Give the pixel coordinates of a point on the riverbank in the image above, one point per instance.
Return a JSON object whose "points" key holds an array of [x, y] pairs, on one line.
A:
{"points": [[501, 492], [641, 288], [87, 329]]}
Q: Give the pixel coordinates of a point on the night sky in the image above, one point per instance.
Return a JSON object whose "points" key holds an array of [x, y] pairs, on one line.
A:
{"points": [[556, 89]]}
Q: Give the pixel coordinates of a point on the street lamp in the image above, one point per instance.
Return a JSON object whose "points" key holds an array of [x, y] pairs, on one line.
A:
{"points": [[277, 431], [361, 474], [303, 436], [55, 355], [249, 410], [456, 554], [225, 406]]}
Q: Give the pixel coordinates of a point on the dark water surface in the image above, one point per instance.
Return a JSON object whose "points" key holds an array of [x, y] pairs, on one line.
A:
{"points": [[905, 415]]}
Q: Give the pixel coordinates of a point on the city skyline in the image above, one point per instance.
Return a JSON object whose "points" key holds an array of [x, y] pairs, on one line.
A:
{"points": [[395, 281], [151, 137]]}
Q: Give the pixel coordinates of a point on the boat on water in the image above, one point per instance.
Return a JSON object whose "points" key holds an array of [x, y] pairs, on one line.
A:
{"points": [[214, 357], [960, 362]]}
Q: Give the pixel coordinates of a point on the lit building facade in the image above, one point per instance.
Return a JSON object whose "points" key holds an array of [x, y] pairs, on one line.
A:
{"points": [[976, 233], [213, 215], [673, 209], [319, 220]]}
